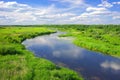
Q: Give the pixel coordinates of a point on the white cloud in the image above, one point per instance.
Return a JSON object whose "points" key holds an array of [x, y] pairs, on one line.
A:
{"points": [[76, 2], [118, 3], [16, 13], [12, 5], [111, 65], [116, 17], [95, 9], [106, 4], [73, 3], [93, 15], [11, 11]]}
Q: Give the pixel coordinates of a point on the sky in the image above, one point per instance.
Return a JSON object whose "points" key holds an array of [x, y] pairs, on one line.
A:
{"points": [[32, 12]]}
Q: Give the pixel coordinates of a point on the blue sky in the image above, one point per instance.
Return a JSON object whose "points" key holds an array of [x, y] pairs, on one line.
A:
{"points": [[23, 12]]}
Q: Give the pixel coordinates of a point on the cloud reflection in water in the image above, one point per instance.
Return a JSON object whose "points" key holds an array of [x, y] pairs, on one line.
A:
{"points": [[111, 65], [61, 51]]}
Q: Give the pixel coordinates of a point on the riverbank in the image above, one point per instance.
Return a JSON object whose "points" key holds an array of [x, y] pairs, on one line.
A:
{"points": [[99, 38], [17, 63]]}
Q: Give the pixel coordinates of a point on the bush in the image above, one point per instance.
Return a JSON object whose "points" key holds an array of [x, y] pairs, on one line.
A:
{"points": [[5, 50]]}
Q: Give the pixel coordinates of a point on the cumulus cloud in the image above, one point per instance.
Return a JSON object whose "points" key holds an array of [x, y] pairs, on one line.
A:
{"points": [[106, 4], [75, 2], [10, 11], [17, 13], [116, 17], [118, 3], [111, 65], [93, 15], [12, 4], [95, 9]]}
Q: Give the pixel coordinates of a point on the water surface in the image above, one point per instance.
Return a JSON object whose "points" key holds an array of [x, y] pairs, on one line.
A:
{"points": [[61, 51]]}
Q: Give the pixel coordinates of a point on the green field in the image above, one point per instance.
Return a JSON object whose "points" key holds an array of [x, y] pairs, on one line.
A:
{"points": [[17, 63], [99, 38]]}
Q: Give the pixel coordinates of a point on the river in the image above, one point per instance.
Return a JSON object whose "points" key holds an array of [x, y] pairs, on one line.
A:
{"points": [[62, 52]]}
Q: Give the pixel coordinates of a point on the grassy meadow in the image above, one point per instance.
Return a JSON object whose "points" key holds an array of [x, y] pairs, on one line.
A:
{"points": [[17, 63], [99, 38]]}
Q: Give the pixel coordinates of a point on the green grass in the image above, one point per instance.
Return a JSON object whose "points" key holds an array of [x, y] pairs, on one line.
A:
{"points": [[17, 63], [100, 38]]}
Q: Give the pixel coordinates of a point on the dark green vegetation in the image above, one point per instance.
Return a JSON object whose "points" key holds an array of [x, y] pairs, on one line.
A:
{"points": [[100, 38], [16, 63]]}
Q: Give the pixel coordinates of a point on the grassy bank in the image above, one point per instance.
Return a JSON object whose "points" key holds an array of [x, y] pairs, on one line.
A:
{"points": [[100, 38], [16, 63]]}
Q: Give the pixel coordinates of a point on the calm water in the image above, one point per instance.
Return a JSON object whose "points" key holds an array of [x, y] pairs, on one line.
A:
{"points": [[61, 51]]}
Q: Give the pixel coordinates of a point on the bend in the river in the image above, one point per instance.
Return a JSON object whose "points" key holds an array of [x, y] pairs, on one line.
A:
{"points": [[61, 51]]}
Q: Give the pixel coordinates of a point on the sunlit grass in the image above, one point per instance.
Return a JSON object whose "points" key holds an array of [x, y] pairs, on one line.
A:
{"points": [[100, 38], [16, 63]]}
